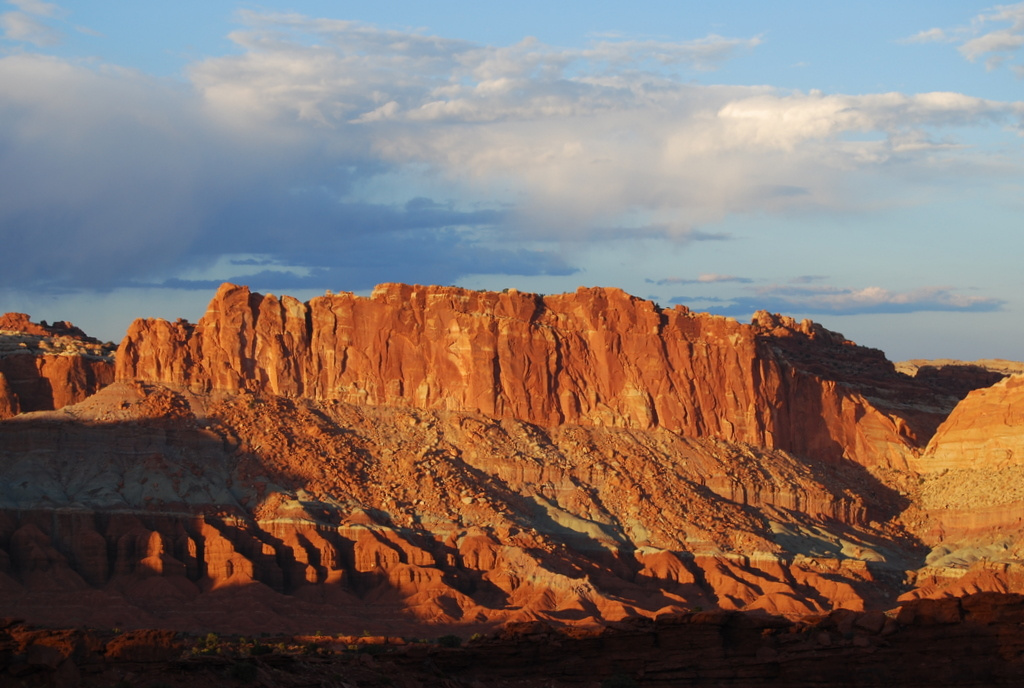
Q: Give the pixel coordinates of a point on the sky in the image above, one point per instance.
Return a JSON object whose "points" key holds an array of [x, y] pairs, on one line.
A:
{"points": [[859, 164]]}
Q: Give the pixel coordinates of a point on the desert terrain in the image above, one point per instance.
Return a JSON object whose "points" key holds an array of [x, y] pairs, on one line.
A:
{"points": [[513, 472]]}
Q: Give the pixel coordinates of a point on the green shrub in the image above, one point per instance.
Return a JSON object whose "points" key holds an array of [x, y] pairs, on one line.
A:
{"points": [[450, 640], [259, 648]]}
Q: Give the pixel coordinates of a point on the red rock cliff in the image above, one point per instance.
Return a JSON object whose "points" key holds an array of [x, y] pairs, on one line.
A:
{"points": [[986, 430], [45, 367], [596, 357]]}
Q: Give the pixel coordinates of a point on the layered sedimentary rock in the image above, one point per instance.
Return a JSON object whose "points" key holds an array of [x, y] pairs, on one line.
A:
{"points": [[596, 357], [970, 501], [44, 367], [436, 457], [986, 430], [165, 497]]}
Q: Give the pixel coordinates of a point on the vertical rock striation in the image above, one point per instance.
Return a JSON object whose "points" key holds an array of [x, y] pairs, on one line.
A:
{"points": [[596, 357]]}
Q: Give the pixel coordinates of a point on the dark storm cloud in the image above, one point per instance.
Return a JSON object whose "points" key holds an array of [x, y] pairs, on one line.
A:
{"points": [[113, 179]]}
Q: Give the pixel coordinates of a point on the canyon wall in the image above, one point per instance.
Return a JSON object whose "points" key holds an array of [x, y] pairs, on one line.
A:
{"points": [[986, 430], [596, 357], [45, 367]]}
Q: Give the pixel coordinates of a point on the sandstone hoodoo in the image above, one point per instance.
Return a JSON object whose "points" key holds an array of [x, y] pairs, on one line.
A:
{"points": [[440, 458]]}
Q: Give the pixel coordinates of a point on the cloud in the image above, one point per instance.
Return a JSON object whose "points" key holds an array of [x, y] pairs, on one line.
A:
{"points": [[25, 28], [25, 25], [36, 7], [579, 135], [830, 300], [334, 150], [703, 54], [984, 38], [933, 35], [702, 279]]}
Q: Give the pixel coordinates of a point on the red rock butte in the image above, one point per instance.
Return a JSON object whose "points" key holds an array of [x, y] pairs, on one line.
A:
{"points": [[436, 457], [598, 357]]}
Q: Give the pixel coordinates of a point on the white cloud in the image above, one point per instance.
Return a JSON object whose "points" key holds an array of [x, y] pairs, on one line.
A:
{"points": [[285, 138], [872, 298], [706, 278], [980, 41], [23, 27], [933, 35], [994, 46], [578, 136], [797, 297], [36, 7]]}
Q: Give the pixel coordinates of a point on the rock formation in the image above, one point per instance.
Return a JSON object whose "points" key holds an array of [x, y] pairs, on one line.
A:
{"points": [[970, 642], [983, 431], [45, 367], [423, 516], [434, 457], [597, 357]]}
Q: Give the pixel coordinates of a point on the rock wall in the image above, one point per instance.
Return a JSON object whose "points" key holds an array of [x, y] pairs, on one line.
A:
{"points": [[984, 431], [596, 357], [45, 367]]}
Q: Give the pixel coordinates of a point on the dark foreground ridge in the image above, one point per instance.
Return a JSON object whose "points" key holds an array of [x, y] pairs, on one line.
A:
{"points": [[973, 641]]}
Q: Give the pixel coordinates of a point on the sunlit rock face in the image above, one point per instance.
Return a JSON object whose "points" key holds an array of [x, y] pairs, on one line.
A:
{"points": [[983, 431], [45, 367], [436, 457], [597, 357]]}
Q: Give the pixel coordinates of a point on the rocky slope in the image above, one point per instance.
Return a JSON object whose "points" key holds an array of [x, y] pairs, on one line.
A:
{"points": [[170, 504], [436, 458], [45, 367]]}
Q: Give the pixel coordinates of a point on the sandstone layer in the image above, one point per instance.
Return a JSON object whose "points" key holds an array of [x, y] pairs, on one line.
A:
{"points": [[983, 431], [438, 458], [598, 357], [154, 506], [44, 367]]}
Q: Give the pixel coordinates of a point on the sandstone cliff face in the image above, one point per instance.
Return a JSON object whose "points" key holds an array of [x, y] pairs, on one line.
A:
{"points": [[986, 430], [434, 455], [45, 367], [8, 401], [970, 502], [597, 357]]}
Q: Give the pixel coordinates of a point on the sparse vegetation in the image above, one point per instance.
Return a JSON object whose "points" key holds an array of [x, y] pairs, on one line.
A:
{"points": [[208, 645], [450, 640], [259, 649]]}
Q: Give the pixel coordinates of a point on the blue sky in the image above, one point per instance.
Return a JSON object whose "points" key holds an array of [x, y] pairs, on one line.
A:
{"points": [[860, 164]]}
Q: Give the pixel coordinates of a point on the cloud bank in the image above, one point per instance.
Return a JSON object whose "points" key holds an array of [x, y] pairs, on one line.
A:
{"points": [[797, 297], [995, 37], [334, 154]]}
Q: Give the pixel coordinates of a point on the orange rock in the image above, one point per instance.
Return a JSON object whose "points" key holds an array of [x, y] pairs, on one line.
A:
{"points": [[45, 367], [596, 357], [8, 401], [984, 431]]}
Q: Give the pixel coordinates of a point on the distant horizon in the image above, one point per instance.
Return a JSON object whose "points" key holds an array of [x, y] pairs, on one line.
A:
{"points": [[860, 166]]}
